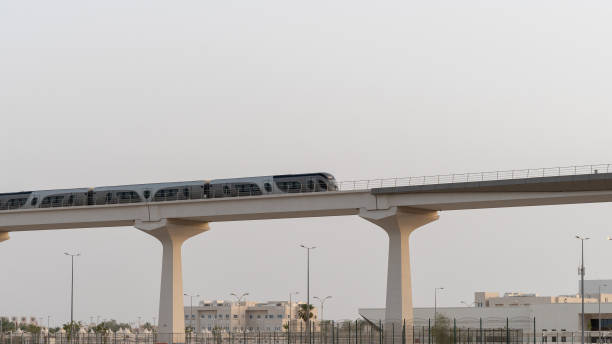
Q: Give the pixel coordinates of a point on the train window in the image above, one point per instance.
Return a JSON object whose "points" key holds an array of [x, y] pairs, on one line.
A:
{"points": [[254, 190], [71, 199], [147, 194], [322, 185], [34, 201], [268, 187], [109, 197], [186, 192], [311, 185], [226, 189], [295, 186]]}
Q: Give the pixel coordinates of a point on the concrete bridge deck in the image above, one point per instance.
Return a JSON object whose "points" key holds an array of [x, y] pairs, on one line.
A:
{"points": [[398, 210]]}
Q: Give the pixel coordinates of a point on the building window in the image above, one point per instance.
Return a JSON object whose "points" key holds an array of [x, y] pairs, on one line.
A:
{"points": [[258, 316], [280, 316], [235, 316], [209, 316], [250, 316], [227, 316]]}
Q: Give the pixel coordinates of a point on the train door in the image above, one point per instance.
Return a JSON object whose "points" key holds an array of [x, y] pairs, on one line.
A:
{"points": [[91, 198], [206, 193]]}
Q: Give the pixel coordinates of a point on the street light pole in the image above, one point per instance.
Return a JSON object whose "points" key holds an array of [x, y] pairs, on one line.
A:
{"points": [[290, 310], [436, 303], [308, 289], [599, 310], [72, 290], [239, 298], [582, 239], [191, 309], [322, 301]]}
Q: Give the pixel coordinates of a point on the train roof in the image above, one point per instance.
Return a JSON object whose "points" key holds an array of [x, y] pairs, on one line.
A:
{"points": [[323, 174], [127, 186], [16, 193]]}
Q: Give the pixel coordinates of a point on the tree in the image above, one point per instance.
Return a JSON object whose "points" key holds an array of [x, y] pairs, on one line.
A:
{"points": [[148, 326], [31, 328], [441, 330], [7, 325], [305, 312]]}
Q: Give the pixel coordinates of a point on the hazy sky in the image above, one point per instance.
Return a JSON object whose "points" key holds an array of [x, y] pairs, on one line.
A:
{"points": [[111, 92]]}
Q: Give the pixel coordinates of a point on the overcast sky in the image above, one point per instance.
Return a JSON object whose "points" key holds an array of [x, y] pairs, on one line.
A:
{"points": [[111, 92]]}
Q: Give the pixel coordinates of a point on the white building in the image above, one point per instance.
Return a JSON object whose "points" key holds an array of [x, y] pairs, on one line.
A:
{"points": [[244, 316], [551, 313]]}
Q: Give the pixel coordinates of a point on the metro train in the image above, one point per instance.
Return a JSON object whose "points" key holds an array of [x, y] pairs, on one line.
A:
{"points": [[161, 192]]}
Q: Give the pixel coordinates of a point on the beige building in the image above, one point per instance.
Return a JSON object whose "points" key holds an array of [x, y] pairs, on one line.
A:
{"points": [[491, 299], [244, 316]]}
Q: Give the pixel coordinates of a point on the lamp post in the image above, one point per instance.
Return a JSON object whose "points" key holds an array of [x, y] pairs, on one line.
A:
{"points": [[436, 303], [308, 289], [191, 309], [291, 309], [322, 301], [72, 290], [582, 239], [599, 310], [239, 298]]}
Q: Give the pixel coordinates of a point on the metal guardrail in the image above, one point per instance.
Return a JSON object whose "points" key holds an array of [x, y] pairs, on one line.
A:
{"points": [[358, 185]]}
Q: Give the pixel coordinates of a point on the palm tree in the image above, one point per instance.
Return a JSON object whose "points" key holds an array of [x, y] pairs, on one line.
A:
{"points": [[305, 312]]}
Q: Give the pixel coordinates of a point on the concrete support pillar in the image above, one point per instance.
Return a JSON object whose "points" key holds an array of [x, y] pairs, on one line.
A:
{"points": [[4, 236], [399, 223], [171, 233]]}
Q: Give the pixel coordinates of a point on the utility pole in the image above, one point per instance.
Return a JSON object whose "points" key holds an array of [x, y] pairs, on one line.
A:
{"points": [[290, 310], [190, 309], [239, 299], [72, 291], [308, 290], [582, 239], [599, 310], [436, 304], [322, 301]]}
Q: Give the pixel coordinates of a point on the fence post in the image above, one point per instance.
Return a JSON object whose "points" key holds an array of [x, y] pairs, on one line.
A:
{"points": [[534, 331], [507, 331], [454, 331], [429, 331], [480, 339]]}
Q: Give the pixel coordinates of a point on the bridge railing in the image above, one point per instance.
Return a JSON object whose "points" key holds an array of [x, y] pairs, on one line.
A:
{"points": [[356, 185]]}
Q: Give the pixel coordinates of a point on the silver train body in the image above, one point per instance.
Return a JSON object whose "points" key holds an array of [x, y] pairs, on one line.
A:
{"points": [[162, 192]]}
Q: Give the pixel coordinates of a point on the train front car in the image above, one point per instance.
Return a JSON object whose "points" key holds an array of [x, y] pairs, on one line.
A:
{"points": [[307, 182], [14, 200]]}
